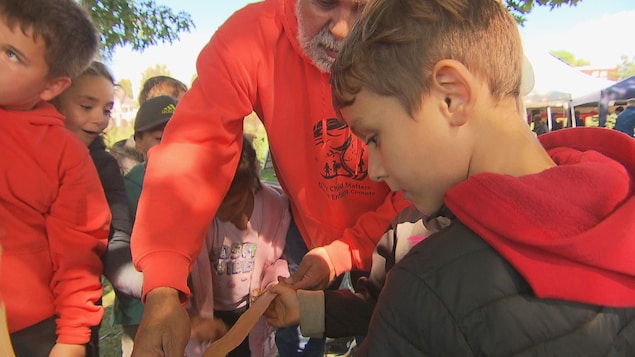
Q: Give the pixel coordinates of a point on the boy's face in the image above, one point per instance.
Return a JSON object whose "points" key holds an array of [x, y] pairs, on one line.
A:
{"points": [[323, 25], [148, 139], [87, 105], [418, 156], [23, 69]]}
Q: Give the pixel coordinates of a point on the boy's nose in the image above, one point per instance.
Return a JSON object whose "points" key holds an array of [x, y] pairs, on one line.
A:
{"points": [[376, 171]]}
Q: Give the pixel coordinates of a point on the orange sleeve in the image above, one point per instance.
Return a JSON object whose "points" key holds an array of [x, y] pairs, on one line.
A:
{"points": [[77, 229], [189, 173], [355, 250]]}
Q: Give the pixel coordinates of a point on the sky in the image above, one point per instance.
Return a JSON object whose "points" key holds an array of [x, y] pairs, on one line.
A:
{"points": [[600, 31]]}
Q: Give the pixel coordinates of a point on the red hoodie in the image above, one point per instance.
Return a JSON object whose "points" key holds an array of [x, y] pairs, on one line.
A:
{"points": [[569, 230], [54, 222], [254, 62]]}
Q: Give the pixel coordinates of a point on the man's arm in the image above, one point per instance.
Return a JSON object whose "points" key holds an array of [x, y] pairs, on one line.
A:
{"points": [[362, 238], [354, 251], [165, 326], [190, 171], [187, 176]]}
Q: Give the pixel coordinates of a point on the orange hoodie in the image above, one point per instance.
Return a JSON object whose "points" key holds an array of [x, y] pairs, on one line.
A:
{"points": [[254, 62], [54, 222]]}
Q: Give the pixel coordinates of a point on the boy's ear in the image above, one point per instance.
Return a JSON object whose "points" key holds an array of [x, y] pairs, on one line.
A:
{"points": [[54, 87], [455, 84]]}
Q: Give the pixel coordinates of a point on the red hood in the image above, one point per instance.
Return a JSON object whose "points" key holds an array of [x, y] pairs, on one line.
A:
{"points": [[569, 230], [44, 113]]}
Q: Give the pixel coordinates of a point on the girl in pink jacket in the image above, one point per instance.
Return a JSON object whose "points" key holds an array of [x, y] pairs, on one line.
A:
{"points": [[241, 256]]}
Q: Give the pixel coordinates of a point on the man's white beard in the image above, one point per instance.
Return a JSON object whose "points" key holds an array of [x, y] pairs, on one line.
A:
{"points": [[315, 48]]}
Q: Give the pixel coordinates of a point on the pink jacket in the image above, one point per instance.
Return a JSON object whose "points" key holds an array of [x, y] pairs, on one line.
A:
{"points": [[271, 211]]}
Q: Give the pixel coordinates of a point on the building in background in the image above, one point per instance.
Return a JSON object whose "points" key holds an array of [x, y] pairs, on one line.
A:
{"points": [[610, 73]]}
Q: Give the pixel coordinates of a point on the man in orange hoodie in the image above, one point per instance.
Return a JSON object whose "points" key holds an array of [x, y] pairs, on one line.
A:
{"points": [[273, 58], [54, 215]]}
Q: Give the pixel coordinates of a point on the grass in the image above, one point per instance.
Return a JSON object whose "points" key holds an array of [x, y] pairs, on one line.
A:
{"points": [[268, 175], [109, 334]]}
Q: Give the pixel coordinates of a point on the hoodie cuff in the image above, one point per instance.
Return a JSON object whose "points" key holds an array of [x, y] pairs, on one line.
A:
{"points": [[311, 313], [340, 256]]}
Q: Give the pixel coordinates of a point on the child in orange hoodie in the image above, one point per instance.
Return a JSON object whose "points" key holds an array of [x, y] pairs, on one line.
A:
{"points": [[53, 210]]}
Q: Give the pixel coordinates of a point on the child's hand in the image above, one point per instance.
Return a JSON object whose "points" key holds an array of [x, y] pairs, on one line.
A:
{"points": [[64, 350], [207, 330], [284, 310]]}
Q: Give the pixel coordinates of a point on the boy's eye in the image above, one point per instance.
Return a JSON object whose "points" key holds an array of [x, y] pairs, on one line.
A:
{"points": [[13, 56], [86, 107], [108, 113], [372, 140]]}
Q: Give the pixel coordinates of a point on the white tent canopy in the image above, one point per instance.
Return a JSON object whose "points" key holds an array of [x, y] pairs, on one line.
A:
{"points": [[556, 83]]}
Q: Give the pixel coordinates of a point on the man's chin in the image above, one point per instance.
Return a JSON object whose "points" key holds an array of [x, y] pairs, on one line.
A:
{"points": [[323, 63]]}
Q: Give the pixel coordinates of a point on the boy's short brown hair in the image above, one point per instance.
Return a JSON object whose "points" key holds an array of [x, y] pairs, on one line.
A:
{"points": [[71, 38], [394, 46], [161, 85]]}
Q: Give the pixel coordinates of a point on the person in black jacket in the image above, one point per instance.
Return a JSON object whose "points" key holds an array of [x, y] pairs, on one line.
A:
{"points": [[87, 104], [344, 312], [519, 271]]}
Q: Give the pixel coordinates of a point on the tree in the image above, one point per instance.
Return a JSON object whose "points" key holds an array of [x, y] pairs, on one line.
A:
{"points": [[626, 68], [126, 85], [569, 58], [143, 23], [157, 70], [520, 8], [138, 23]]}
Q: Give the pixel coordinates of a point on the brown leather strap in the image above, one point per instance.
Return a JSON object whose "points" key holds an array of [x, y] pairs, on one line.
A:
{"points": [[242, 327]]}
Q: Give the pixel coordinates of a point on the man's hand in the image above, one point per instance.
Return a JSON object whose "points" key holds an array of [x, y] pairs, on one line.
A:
{"points": [[315, 272], [207, 330], [165, 326], [65, 350], [284, 310]]}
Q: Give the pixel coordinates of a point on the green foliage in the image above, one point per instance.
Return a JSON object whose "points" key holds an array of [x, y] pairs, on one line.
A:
{"points": [[253, 127], [109, 332], [126, 85], [143, 23], [569, 58], [138, 23], [626, 68], [520, 8], [115, 133]]}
